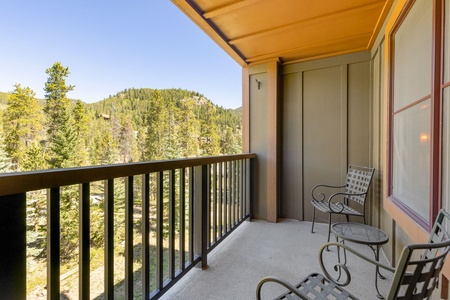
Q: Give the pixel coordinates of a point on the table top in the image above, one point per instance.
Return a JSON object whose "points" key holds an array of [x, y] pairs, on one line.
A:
{"points": [[359, 233]]}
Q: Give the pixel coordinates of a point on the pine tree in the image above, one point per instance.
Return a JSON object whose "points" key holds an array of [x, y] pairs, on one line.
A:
{"points": [[209, 137], [156, 124], [188, 131], [61, 131], [81, 123], [172, 148], [126, 141], [22, 124]]}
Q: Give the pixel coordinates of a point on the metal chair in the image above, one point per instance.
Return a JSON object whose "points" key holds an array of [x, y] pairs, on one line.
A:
{"points": [[415, 276], [349, 202]]}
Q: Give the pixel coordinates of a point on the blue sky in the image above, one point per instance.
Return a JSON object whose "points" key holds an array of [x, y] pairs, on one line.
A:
{"points": [[110, 45]]}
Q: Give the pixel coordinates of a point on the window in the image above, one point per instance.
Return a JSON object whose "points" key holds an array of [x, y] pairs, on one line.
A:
{"points": [[416, 110]]}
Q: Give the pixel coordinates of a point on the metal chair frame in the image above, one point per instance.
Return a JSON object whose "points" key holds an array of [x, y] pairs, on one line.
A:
{"points": [[413, 278], [355, 192]]}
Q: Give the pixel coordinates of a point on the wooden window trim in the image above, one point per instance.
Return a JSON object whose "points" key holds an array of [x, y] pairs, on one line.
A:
{"points": [[436, 115]]}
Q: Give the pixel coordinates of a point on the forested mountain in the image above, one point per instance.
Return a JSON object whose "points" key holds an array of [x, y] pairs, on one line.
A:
{"points": [[133, 125]]}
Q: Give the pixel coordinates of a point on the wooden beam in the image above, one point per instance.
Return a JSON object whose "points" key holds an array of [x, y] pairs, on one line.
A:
{"points": [[328, 43], [220, 10]]}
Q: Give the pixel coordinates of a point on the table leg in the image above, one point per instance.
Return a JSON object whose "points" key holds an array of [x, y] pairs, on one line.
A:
{"points": [[377, 270]]}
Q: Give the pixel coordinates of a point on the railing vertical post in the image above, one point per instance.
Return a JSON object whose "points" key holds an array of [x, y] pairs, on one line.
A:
{"points": [[250, 186], [109, 239], [84, 240], [145, 237], [13, 247], [182, 216], [171, 224], [220, 203], [53, 243], [205, 214], [159, 230], [201, 226], [191, 214], [129, 237]]}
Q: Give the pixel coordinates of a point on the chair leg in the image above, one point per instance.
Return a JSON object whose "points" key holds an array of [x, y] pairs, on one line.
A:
{"points": [[329, 227], [313, 218]]}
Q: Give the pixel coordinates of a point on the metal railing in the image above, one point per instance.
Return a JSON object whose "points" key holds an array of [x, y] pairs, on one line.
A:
{"points": [[186, 208]]}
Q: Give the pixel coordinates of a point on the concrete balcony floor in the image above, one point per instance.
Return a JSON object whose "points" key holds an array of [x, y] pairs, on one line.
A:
{"points": [[286, 250]]}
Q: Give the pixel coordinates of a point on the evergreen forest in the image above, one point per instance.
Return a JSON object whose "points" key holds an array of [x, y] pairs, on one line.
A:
{"points": [[133, 125]]}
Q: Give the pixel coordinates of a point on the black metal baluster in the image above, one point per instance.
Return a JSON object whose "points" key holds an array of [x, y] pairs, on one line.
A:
{"points": [[145, 236], [205, 191], [232, 194], [129, 238], [84, 242], [159, 231], [226, 198], [214, 203], [182, 240], [191, 214], [220, 202], [171, 224], [109, 239], [239, 183], [53, 243]]}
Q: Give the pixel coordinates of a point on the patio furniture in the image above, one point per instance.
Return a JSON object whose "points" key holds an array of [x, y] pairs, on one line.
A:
{"points": [[364, 234], [348, 199], [415, 276]]}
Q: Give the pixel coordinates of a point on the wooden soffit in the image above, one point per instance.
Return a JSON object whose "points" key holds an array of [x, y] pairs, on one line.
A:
{"points": [[253, 31]]}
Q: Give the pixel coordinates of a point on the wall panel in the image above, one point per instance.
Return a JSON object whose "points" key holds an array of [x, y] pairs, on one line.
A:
{"points": [[291, 204], [324, 130], [258, 140], [321, 100]]}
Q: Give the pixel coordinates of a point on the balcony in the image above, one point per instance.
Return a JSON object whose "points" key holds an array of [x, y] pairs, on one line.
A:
{"points": [[195, 242]]}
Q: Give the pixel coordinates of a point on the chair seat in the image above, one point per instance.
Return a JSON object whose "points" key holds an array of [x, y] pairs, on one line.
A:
{"points": [[323, 206], [317, 286]]}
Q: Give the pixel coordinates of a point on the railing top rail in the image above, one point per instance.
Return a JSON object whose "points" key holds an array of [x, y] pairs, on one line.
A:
{"points": [[20, 182]]}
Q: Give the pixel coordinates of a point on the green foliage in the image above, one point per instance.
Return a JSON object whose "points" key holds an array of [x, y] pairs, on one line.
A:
{"points": [[209, 137], [22, 124], [64, 128], [133, 125], [5, 162], [57, 103]]}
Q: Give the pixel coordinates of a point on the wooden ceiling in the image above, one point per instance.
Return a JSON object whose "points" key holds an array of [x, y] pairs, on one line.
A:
{"points": [[254, 31]]}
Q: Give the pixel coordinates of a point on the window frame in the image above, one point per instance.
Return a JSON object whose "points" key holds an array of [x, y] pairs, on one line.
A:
{"points": [[436, 88]]}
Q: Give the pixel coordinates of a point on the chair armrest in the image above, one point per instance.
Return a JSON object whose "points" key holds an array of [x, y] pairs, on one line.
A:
{"points": [[341, 267], [282, 282], [338, 203], [322, 195]]}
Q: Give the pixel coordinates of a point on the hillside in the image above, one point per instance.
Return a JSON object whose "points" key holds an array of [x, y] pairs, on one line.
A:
{"points": [[141, 124]]}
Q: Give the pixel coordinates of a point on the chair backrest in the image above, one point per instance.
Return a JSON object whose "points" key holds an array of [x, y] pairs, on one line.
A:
{"points": [[418, 270], [358, 182]]}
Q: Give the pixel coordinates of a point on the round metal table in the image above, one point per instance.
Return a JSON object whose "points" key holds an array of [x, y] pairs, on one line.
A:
{"points": [[362, 234]]}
